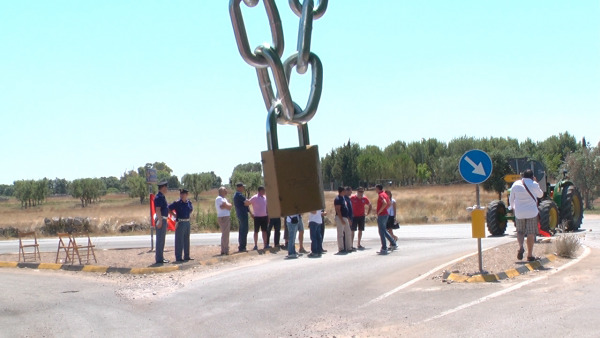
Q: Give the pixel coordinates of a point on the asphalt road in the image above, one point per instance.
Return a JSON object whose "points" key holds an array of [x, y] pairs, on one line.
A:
{"points": [[448, 231], [357, 294]]}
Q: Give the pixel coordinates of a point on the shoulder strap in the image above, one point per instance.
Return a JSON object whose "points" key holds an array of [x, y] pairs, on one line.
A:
{"points": [[530, 194]]}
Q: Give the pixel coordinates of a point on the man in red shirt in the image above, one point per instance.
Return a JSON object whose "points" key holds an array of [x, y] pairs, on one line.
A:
{"points": [[358, 211], [383, 202]]}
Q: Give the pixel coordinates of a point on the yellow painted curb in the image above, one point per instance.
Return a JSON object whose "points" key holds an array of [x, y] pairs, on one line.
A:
{"points": [[482, 278], [142, 271], [49, 266], [551, 257], [512, 273], [457, 278], [8, 264], [94, 268]]}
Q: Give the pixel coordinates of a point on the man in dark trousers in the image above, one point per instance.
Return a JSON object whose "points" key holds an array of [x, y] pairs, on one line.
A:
{"points": [[162, 214], [241, 211], [183, 208]]}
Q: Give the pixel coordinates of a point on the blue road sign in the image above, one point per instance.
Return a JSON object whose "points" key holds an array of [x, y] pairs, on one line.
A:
{"points": [[475, 166]]}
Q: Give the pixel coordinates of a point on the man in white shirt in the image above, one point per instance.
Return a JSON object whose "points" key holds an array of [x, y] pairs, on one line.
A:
{"points": [[223, 218], [523, 200]]}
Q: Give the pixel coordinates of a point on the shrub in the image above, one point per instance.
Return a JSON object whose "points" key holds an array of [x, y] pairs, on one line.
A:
{"points": [[567, 245]]}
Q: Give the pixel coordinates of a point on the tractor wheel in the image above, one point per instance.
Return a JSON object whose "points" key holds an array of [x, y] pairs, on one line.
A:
{"points": [[496, 218], [548, 216], [571, 209]]}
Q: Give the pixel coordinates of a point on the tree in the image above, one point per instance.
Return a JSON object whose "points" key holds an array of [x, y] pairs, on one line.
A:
{"points": [[500, 169], [173, 182], [584, 171], [7, 190], [197, 183], [250, 174], [137, 187], [423, 172], [87, 190], [372, 164], [112, 183]]}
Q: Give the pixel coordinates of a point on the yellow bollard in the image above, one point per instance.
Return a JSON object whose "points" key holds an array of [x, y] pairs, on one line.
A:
{"points": [[478, 223]]}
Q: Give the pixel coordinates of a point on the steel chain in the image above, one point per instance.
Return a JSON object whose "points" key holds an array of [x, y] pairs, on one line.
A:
{"points": [[267, 56]]}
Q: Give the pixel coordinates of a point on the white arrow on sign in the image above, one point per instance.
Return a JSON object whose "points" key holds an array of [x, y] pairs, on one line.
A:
{"points": [[477, 168]]}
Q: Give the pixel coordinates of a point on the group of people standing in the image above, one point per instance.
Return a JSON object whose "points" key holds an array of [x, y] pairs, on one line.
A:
{"points": [[182, 209], [350, 215], [256, 207]]}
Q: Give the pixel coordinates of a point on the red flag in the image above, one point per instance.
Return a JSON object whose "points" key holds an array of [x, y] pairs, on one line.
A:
{"points": [[152, 211], [171, 221]]}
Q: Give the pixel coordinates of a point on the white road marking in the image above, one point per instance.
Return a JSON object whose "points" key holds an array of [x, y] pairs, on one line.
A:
{"points": [[423, 276], [510, 289]]}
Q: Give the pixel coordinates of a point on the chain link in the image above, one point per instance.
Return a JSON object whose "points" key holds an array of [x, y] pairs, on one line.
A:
{"points": [[281, 106]]}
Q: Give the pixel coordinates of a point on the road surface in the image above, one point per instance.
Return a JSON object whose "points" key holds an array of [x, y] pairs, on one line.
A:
{"points": [[359, 294]]}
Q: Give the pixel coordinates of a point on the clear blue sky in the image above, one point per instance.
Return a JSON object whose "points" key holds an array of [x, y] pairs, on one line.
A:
{"points": [[94, 88]]}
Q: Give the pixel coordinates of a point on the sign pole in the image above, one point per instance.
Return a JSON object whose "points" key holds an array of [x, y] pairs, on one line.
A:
{"points": [[476, 166], [479, 238]]}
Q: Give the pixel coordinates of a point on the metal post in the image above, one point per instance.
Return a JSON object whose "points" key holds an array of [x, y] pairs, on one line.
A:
{"points": [[479, 239], [151, 227]]}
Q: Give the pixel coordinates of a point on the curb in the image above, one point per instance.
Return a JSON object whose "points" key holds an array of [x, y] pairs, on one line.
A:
{"points": [[121, 270], [486, 278]]}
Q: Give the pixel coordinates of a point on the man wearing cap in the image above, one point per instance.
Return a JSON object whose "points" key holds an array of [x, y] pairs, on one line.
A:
{"points": [[162, 214], [358, 208], [259, 213], [241, 211], [183, 209]]}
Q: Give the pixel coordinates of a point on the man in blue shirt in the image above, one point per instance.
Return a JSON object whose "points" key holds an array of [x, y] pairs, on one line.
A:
{"points": [[241, 211], [162, 214], [183, 208]]}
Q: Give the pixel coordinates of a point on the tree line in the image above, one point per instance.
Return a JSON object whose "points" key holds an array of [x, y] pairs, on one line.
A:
{"points": [[90, 190], [430, 161]]}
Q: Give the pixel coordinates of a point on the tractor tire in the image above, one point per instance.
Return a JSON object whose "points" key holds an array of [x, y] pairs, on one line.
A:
{"points": [[571, 209], [496, 218], [548, 216]]}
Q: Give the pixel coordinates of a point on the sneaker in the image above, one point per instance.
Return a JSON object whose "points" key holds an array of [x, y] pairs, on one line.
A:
{"points": [[383, 252], [313, 255], [360, 247], [292, 256], [393, 247], [302, 251], [531, 259], [255, 248], [353, 249], [267, 247]]}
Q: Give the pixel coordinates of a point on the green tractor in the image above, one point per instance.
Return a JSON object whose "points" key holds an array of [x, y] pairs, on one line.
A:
{"points": [[561, 207]]}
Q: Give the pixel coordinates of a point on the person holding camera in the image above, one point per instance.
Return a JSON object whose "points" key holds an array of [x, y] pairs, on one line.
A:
{"points": [[523, 200]]}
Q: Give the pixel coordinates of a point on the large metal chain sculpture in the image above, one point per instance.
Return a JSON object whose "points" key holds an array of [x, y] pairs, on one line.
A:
{"points": [[279, 176]]}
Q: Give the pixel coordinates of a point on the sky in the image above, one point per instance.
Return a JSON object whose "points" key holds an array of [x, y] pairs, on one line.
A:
{"points": [[96, 88]]}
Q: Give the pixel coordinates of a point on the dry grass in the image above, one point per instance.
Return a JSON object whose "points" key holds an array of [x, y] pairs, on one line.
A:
{"points": [[567, 245], [416, 205]]}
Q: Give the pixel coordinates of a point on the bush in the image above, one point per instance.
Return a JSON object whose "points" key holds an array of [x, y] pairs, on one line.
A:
{"points": [[567, 245]]}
